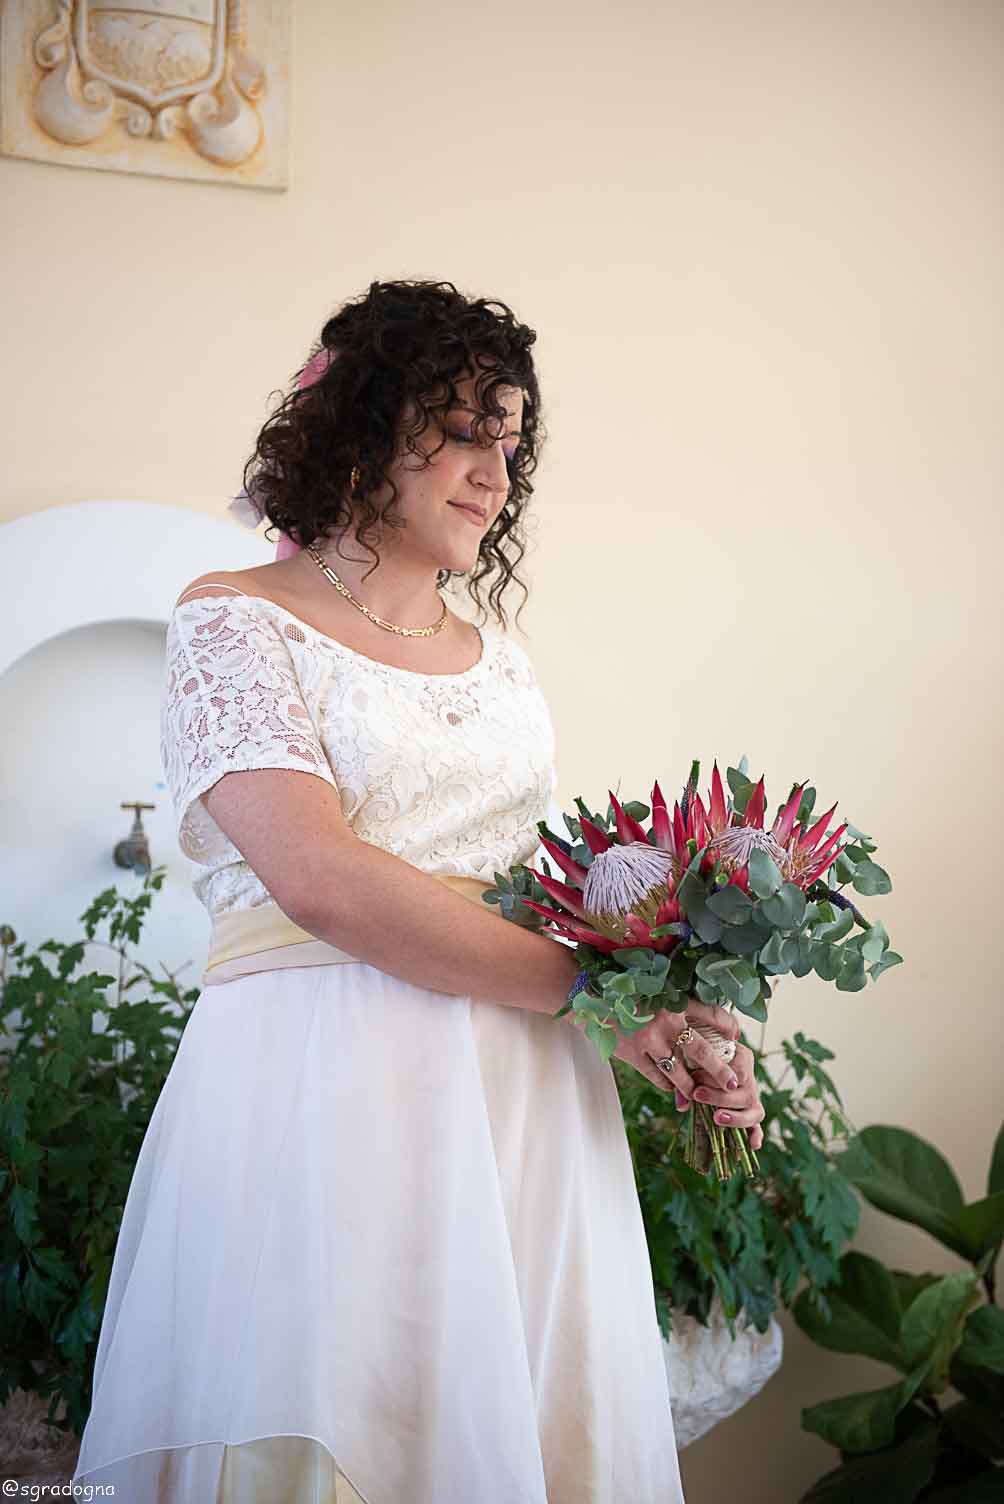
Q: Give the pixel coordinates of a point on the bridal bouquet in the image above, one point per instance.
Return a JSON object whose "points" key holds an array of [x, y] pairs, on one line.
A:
{"points": [[706, 903]]}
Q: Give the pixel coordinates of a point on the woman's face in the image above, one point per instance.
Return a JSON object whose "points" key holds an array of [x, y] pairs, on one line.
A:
{"points": [[463, 472]]}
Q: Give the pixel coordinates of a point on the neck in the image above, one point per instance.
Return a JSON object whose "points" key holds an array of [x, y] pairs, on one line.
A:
{"points": [[399, 589]]}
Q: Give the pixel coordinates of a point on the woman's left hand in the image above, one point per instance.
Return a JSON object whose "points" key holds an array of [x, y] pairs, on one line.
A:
{"points": [[743, 1104]]}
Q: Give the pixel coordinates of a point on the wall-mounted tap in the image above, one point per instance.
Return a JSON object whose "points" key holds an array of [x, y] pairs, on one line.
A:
{"points": [[134, 851]]}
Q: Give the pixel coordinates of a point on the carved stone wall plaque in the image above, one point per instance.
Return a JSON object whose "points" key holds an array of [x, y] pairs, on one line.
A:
{"points": [[172, 88]]}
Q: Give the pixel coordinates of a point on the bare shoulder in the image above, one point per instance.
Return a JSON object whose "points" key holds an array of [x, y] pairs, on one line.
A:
{"points": [[220, 582], [263, 580]]}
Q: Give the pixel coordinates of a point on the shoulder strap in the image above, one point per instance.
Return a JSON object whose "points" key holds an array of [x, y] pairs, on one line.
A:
{"points": [[205, 584]]}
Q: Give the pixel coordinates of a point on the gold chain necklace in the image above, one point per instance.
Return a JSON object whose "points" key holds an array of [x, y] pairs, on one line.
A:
{"points": [[388, 625]]}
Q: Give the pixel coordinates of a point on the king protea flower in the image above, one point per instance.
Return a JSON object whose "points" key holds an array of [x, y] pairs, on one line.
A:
{"points": [[629, 888]]}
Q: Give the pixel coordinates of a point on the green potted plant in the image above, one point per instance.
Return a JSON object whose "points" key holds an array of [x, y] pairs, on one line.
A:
{"points": [[936, 1433], [726, 1254], [75, 1100]]}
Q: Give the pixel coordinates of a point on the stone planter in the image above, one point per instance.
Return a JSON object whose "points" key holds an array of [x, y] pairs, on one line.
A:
{"points": [[711, 1374]]}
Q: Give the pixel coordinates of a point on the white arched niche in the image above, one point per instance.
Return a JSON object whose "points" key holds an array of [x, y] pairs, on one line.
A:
{"points": [[86, 592]]}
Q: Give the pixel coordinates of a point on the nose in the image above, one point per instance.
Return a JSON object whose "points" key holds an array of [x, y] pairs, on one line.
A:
{"points": [[492, 467]]}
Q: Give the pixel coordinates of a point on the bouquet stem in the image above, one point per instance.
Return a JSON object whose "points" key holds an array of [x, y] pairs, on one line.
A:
{"points": [[711, 1144]]}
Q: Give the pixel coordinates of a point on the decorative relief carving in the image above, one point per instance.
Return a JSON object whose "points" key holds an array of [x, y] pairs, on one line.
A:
{"points": [[185, 88]]}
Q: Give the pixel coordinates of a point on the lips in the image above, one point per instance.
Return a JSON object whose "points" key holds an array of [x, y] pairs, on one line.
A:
{"points": [[473, 512]]}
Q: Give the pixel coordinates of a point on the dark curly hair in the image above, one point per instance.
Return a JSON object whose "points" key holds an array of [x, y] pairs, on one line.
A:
{"points": [[400, 341]]}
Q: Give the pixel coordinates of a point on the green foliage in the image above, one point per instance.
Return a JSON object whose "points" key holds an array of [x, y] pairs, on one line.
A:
{"points": [[939, 1332], [75, 1101], [753, 1241]]}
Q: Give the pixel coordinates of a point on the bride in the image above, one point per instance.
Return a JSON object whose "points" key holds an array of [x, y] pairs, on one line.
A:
{"points": [[382, 1243]]}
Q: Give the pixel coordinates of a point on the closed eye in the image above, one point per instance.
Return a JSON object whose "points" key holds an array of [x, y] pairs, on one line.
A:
{"points": [[510, 459]]}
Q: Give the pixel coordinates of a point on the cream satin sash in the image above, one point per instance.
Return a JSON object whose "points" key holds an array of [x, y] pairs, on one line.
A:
{"points": [[266, 939]]}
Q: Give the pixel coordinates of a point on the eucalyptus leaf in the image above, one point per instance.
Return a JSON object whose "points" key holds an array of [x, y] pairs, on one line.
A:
{"points": [[851, 976], [826, 961], [843, 868], [604, 1038], [755, 1008], [744, 940], [772, 954], [730, 904], [890, 958], [875, 942], [836, 929], [705, 923], [764, 877], [870, 878], [786, 909]]}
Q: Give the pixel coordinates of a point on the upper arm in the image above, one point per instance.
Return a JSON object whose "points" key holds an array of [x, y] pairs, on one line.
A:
{"points": [[286, 825], [241, 753]]}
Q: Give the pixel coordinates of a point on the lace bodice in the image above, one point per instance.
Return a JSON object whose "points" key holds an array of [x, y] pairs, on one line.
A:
{"points": [[450, 772]]}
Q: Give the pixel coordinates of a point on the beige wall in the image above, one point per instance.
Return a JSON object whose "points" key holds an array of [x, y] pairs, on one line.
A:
{"points": [[762, 248]]}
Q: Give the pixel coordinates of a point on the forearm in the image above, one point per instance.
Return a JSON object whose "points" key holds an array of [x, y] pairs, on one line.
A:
{"points": [[402, 920]]}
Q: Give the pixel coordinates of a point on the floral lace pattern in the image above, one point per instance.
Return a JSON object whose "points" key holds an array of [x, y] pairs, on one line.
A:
{"points": [[450, 772]]}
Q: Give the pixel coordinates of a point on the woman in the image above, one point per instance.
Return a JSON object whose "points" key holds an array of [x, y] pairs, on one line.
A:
{"points": [[382, 1241]]}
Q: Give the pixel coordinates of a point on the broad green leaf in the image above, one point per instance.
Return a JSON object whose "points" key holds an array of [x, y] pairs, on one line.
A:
{"points": [[932, 1327], [977, 1427], [982, 1223], [909, 1286], [982, 1344], [863, 1422], [986, 1489], [995, 1177], [866, 1312], [907, 1177], [896, 1475]]}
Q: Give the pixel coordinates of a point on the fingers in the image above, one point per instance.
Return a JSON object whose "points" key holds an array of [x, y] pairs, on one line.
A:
{"points": [[665, 1081], [710, 1014], [742, 1117], [699, 1052], [743, 1105], [744, 1095]]}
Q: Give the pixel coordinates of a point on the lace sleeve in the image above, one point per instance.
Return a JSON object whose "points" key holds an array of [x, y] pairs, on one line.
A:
{"points": [[231, 701]]}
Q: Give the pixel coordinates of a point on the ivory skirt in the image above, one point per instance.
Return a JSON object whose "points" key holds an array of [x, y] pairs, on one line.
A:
{"points": [[381, 1246]]}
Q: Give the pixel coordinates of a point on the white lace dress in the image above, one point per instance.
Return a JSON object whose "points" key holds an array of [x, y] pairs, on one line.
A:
{"points": [[382, 1244]]}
